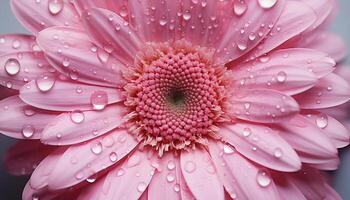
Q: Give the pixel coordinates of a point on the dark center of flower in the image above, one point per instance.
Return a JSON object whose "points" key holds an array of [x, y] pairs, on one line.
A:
{"points": [[175, 94]]}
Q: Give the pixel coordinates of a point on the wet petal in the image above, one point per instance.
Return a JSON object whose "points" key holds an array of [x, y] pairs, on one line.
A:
{"points": [[261, 145], [47, 94], [73, 53], [276, 107], [22, 67], [97, 156], [38, 15], [329, 91], [254, 183], [200, 175], [64, 130], [22, 121], [118, 6], [112, 32], [12, 43], [322, 8]]}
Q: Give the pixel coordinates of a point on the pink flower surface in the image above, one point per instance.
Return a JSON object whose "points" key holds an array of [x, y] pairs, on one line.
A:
{"points": [[170, 99]]}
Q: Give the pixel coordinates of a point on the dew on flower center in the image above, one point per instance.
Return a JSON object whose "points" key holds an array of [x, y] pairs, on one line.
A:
{"points": [[176, 96]]}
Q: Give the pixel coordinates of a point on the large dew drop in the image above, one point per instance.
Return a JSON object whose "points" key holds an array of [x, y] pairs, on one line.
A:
{"points": [[99, 100], [45, 83], [55, 6], [28, 131], [267, 3], [239, 7], [77, 116], [263, 179], [12, 67]]}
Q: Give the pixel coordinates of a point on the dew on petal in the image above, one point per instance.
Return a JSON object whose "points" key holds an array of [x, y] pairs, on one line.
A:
{"points": [[96, 148], [28, 131], [170, 177], [120, 172], [12, 67], [141, 187], [16, 44], [45, 83], [281, 76], [77, 116], [133, 161], [55, 6], [171, 165], [247, 132], [267, 3], [99, 100], [177, 188], [278, 153], [239, 7], [228, 149], [190, 166], [263, 179], [322, 121], [92, 178]]}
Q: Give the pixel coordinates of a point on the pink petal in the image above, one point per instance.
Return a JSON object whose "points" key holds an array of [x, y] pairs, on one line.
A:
{"points": [[256, 22], [156, 20], [64, 131], [6, 92], [85, 160], [29, 193], [319, 162], [118, 6], [200, 175], [22, 68], [290, 80], [36, 16], [295, 18], [276, 107], [72, 53], [111, 31], [330, 91], [331, 194], [286, 188], [330, 43], [24, 156], [322, 8], [22, 121], [335, 130], [11, 43], [314, 61], [165, 184], [127, 181], [315, 142], [261, 145], [240, 177], [76, 96]]}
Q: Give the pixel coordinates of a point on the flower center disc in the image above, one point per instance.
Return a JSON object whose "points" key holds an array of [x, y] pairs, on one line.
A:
{"points": [[175, 95]]}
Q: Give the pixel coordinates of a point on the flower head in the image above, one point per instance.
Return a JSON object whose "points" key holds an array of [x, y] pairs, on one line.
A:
{"points": [[163, 99]]}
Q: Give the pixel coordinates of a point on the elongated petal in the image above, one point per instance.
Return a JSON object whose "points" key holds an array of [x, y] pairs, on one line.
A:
{"points": [[316, 62], [276, 107], [335, 130], [24, 156], [304, 136], [232, 166], [295, 18], [287, 79], [156, 20], [330, 43], [38, 15], [22, 67], [118, 6], [200, 175], [165, 184], [72, 53], [236, 42], [76, 96], [261, 145], [121, 182], [98, 155], [322, 8], [329, 91], [111, 31], [22, 121], [64, 131], [286, 188], [11, 43]]}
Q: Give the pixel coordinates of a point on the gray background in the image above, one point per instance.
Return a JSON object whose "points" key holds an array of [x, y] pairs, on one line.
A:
{"points": [[11, 187]]}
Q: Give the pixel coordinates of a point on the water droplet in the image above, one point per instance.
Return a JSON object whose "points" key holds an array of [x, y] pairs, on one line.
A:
{"points": [[99, 100], [141, 187], [163, 22], [241, 46], [281, 76], [79, 175], [113, 156], [264, 59], [45, 83], [263, 178], [12, 67], [28, 131], [55, 6], [65, 62], [239, 7], [247, 132], [92, 178], [228, 149], [29, 112], [267, 3], [322, 121], [96, 148], [211, 169], [190, 166], [77, 116], [171, 165], [186, 16], [177, 188], [278, 153], [102, 55], [16, 44], [120, 172], [170, 177], [329, 88], [133, 161]]}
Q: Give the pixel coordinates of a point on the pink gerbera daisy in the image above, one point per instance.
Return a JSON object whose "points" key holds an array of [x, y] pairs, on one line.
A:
{"points": [[173, 99]]}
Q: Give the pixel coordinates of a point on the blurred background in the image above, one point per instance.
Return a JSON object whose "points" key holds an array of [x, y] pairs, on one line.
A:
{"points": [[11, 187]]}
